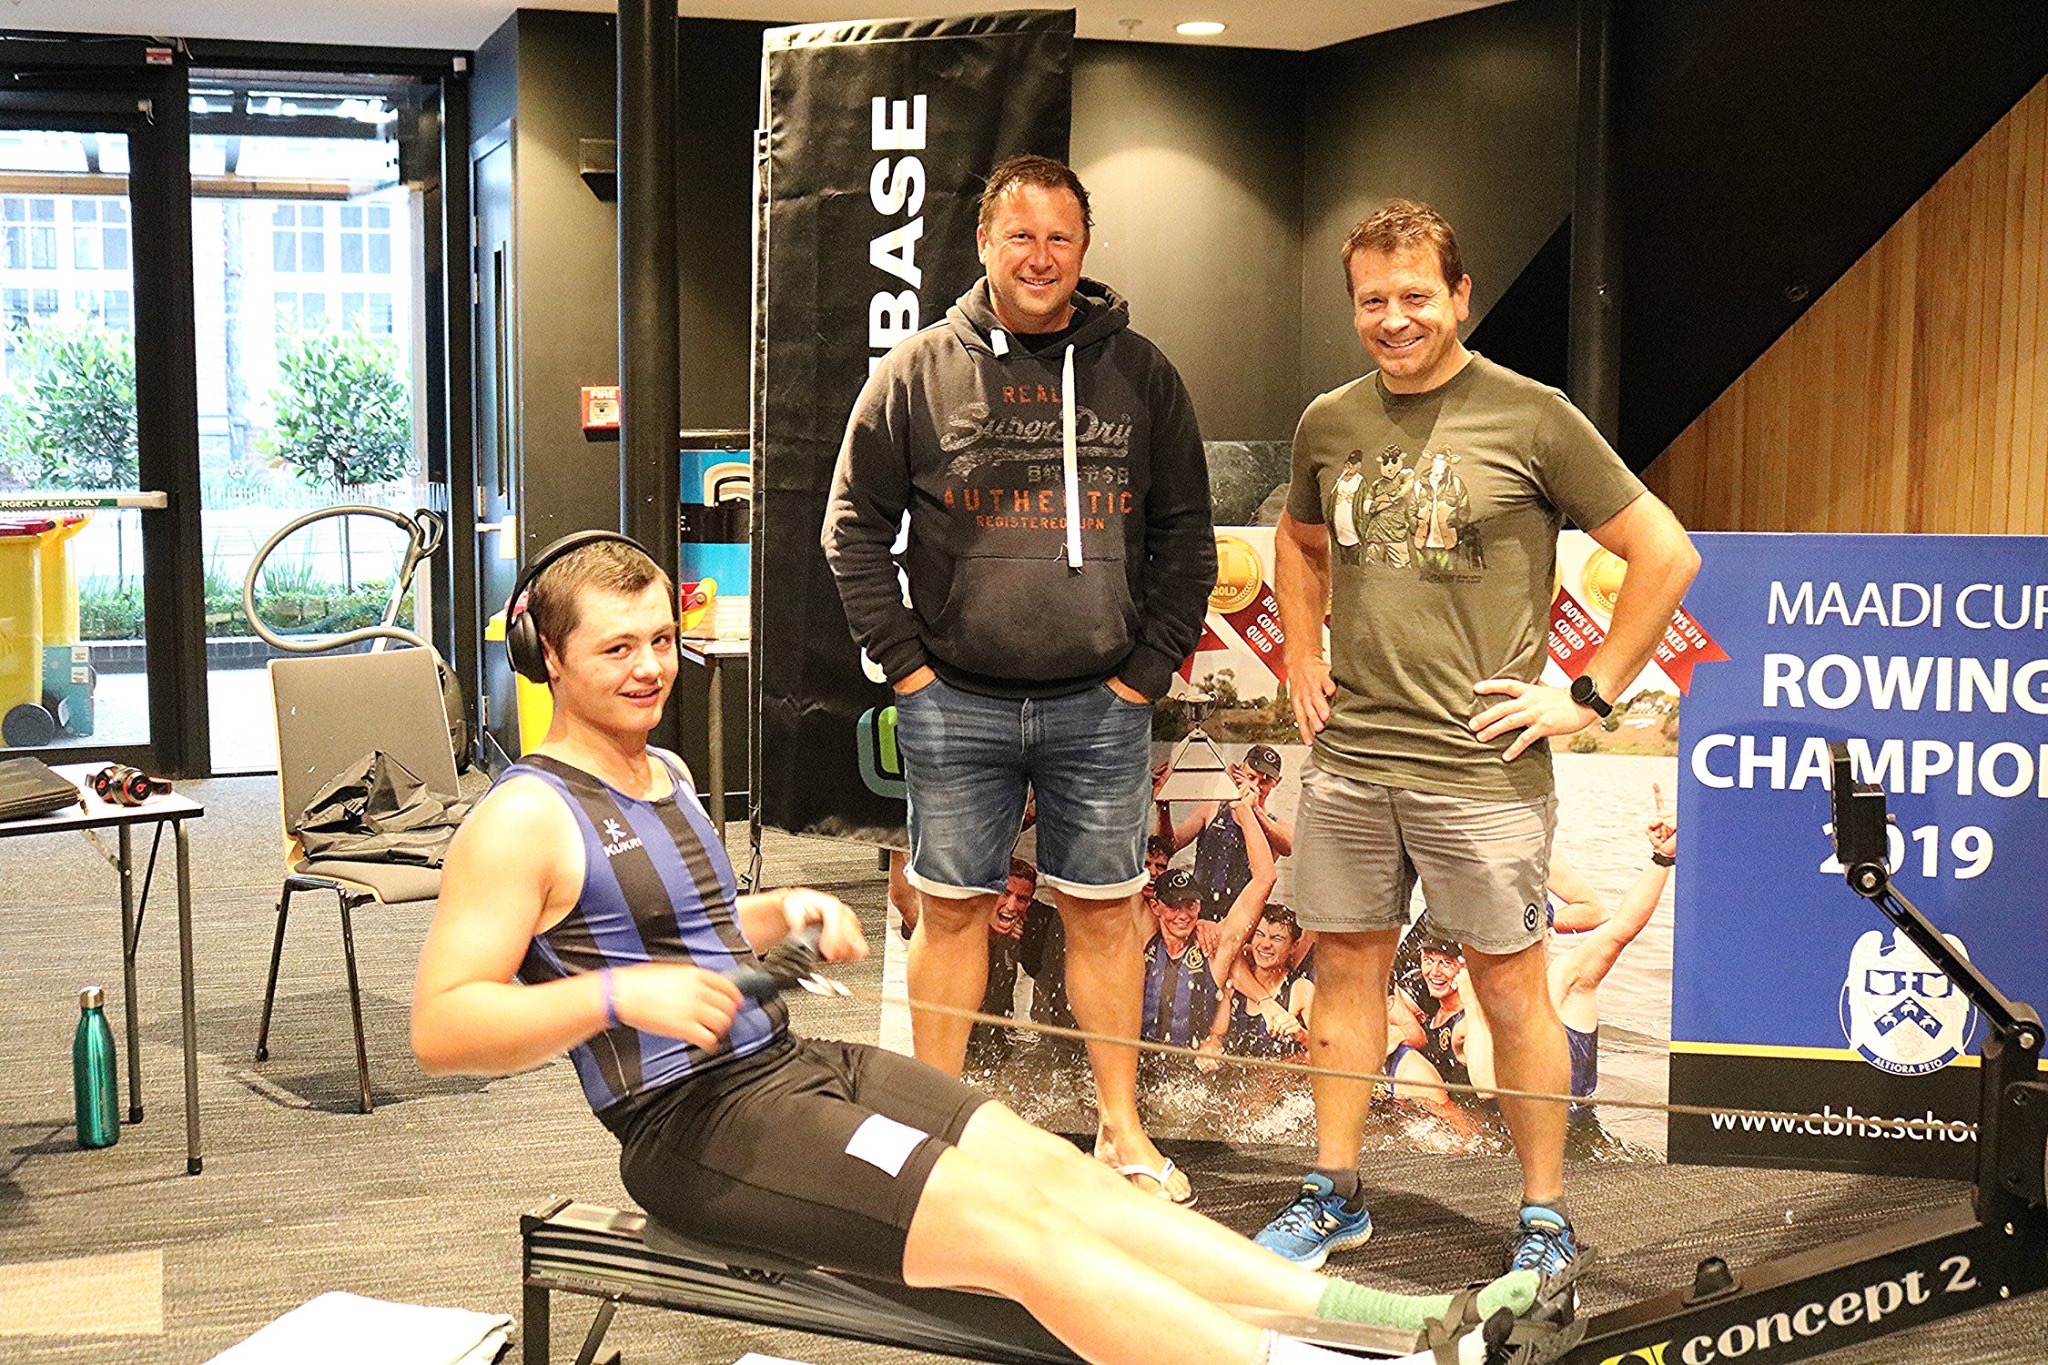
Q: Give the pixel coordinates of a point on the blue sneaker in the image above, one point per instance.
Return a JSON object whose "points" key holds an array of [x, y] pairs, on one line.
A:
{"points": [[1315, 1224], [1544, 1243]]}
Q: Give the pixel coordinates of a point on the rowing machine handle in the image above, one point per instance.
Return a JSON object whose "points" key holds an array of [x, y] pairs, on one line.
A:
{"points": [[787, 963]]}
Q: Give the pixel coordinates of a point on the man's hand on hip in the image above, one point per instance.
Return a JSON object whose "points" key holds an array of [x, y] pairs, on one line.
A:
{"points": [[1537, 711], [1310, 685], [916, 682]]}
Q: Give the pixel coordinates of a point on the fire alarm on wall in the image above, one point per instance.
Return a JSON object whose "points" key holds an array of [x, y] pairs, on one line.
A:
{"points": [[600, 407]]}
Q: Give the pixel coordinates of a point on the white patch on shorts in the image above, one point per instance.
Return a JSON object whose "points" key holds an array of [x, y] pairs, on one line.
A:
{"points": [[884, 1143]]}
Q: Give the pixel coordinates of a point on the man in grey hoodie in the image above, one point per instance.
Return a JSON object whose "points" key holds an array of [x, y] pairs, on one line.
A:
{"points": [[1059, 559]]}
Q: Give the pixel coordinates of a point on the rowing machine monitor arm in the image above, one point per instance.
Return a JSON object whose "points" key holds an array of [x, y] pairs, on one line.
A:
{"points": [[2011, 1165], [1994, 1239]]}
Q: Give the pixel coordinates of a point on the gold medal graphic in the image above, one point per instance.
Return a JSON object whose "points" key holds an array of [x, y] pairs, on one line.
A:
{"points": [[1239, 575], [1600, 580]]}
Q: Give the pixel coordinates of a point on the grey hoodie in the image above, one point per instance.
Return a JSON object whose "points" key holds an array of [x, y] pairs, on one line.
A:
{"points": [[1059, 531]]}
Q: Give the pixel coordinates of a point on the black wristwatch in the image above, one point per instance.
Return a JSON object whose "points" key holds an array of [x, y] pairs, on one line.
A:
{"points": [[1662, 859], [1587, 694]]}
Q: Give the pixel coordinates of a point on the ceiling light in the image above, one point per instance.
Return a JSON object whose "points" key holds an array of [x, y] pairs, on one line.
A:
{"points": [[1199, 28]]}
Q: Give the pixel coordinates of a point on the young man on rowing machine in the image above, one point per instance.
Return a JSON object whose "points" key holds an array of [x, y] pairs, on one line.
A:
{"points": [[587, 905]]}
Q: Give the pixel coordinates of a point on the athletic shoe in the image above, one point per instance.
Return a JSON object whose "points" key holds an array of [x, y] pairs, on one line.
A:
{"points": [[1315, 1224], [1544, 1242]]}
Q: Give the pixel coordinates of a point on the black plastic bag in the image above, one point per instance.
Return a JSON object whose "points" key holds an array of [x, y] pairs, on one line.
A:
{"points": [[377, 811]]}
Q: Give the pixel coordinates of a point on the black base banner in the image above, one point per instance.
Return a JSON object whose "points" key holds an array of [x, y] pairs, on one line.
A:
{"points": [[1856, 1117], [877, 138]]}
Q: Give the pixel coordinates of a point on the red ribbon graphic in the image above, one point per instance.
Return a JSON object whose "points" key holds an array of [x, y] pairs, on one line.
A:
{"points": [[1575, 634], [1685, 644], [1210, 640], [1258, 625]]}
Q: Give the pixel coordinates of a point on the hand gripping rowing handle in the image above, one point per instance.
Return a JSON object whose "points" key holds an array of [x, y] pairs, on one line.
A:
{"points": [[783, 966]]}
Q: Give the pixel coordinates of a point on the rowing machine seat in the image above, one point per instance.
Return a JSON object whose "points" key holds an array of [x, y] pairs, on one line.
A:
{"points": [[671, 1243], [618, 1256]]}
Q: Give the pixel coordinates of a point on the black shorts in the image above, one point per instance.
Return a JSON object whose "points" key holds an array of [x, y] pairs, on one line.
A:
{"points": [[810, 1150]]}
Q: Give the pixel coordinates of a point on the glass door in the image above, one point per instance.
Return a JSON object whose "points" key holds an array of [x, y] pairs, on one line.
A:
{"points": [[309, 281], [73, 646]]}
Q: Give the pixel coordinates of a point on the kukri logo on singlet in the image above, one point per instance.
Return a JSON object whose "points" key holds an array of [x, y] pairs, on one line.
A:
{"points": [[616, 840]]}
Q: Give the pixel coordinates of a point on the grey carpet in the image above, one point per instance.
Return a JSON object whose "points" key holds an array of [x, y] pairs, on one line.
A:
{"points": [[420, 1200]]}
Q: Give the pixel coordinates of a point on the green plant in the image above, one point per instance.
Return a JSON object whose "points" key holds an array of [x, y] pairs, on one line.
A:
{"points": [[224, 614], [288, 577], [75, 413], [109, 609], [292, 602], [19, 465], [344, 414]]}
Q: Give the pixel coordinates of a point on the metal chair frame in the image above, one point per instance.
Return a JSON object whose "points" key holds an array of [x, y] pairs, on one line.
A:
{"points": [[426, 738], [349, 895]]}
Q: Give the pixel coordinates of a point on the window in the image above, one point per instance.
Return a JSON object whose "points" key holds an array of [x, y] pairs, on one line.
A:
{"points": [[370, 312], [99, 234], [300, 310], [20, 311], [108, 307], [13, 326], [28, 233], [14, 229], [366, 239], [298, 239]]}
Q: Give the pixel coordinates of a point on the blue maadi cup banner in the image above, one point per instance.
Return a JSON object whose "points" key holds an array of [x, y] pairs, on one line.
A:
{"points": [[1929, 656]]}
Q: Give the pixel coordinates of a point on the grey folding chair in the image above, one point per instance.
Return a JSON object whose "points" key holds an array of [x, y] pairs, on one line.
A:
{"points": [[331, 710]]}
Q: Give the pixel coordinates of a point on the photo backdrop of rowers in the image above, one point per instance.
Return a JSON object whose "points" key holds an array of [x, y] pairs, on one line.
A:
{"points": [[1229, 972]]}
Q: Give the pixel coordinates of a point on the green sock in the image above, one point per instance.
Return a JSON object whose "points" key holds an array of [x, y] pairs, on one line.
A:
{"points": [[1348, 1302]]}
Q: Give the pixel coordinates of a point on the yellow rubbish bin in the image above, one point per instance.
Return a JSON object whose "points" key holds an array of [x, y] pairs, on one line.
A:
{"points": [[60, 581], [536, 704], [21, 615]]}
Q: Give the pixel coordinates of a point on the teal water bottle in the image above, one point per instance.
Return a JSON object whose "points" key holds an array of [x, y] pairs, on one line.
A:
{"points": [[92, 1073]]}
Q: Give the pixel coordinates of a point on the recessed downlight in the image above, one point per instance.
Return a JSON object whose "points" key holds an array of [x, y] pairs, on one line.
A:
{"points": [[1200, 28]]}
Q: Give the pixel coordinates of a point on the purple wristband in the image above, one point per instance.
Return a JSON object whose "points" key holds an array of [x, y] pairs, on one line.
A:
{"points": [[611, 1005]]}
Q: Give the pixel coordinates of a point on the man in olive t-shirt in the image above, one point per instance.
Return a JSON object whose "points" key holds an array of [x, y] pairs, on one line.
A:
{"points": [[1427, 721]]}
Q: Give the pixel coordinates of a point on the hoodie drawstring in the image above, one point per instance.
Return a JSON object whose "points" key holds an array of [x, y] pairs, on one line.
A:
{"points": [[1070, 454]]}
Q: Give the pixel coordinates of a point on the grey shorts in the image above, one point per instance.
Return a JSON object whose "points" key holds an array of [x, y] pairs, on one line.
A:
{"points": [[1359, 849]]}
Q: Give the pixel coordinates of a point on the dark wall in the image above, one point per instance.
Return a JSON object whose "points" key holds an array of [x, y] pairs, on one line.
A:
{"points": [[1473, 114], [567, 245], [1223, 181], [1192, 160], [552, 73], [721, 97], [494, 80]]}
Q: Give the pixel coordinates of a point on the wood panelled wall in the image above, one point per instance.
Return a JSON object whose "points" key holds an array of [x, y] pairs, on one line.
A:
{"points": [[1913, 396]]}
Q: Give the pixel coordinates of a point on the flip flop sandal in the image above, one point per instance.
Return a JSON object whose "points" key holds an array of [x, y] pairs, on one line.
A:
{"points": [[1163, 1175]]}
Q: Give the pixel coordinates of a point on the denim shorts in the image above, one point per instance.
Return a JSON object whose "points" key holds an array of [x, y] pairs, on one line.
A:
{"points": [[969, 761]]}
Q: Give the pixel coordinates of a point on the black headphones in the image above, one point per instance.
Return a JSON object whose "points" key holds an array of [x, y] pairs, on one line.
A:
{"points": [[522, 637], [121, 785]]}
